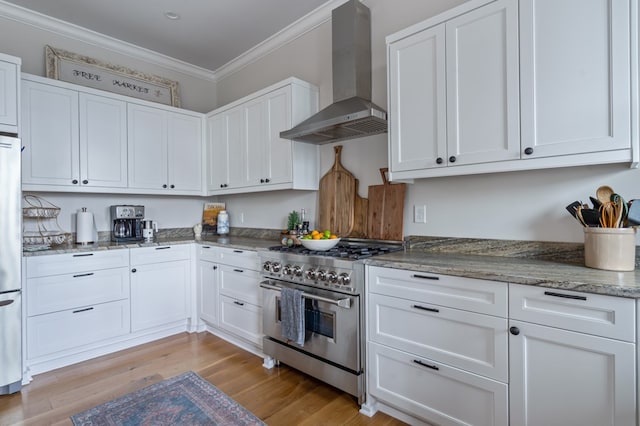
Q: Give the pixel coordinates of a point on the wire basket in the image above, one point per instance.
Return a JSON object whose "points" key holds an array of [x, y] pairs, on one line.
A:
{"points": [[37, 207]]}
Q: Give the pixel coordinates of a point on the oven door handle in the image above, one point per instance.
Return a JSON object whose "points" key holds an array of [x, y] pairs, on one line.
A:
{"points": [[343, 303]]}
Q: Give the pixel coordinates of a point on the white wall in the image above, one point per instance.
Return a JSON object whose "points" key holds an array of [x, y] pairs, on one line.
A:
{"points": [[28, 41]]}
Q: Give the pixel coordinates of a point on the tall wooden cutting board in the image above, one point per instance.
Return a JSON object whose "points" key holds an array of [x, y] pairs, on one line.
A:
{"points": [[336, 199], [360, 216], [386, 210]]}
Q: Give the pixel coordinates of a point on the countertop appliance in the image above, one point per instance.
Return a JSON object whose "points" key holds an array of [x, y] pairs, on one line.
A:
{"points": [[10, 258], [126, 223], [332, 283], [352, 114], [149, 228]]}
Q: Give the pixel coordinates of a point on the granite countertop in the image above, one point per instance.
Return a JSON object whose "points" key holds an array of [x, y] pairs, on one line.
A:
{"points": [[552, 265], [545, 264]]}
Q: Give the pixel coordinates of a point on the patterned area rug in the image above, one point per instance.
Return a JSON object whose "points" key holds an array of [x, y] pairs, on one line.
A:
{"points": [[183, 400]]}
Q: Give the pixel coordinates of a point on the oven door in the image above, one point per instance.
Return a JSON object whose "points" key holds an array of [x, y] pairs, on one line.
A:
{"points": [[332, 322]]}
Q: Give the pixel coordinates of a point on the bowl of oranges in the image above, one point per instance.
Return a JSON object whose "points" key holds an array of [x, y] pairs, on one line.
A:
{"points": [[320, 241]]}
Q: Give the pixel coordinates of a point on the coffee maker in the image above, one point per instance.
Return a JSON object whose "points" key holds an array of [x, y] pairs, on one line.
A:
{"points": [[126, 223]]}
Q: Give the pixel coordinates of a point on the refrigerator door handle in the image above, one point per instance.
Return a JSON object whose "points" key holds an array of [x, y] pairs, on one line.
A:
{"points": [[6, 302]]}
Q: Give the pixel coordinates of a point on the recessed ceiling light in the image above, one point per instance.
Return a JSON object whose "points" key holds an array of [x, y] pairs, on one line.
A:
{"points": [[171, 15]]}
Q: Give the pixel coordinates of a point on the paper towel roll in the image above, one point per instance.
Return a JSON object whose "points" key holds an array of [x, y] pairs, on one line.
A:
{"points": [[84, 227]]}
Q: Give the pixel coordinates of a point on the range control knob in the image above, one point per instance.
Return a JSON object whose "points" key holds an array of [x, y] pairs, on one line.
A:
{"points": [[310, 274], [286, 270], [321, 275], [266, 266], [344, 279], [332, 277], [297, 271], [275, 267]]}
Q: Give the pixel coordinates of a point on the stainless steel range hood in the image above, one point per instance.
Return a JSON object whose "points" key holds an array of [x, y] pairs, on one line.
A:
{"points": [[352, 113]]}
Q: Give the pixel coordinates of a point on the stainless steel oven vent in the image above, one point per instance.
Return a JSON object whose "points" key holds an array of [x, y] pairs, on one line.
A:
{"points": [[352, 113]]}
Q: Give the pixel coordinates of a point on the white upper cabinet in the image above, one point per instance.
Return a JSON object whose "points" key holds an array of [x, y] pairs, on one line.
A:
{"points": [[165, 154], [454, 91], [575, 76], [503, 85], [244, 149], [103, 141], [49, 132], [9, 84]]}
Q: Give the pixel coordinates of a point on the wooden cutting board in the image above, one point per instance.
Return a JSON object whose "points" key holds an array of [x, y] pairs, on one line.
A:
{"points": [[386, 210], [336, 199], [360, 216]]}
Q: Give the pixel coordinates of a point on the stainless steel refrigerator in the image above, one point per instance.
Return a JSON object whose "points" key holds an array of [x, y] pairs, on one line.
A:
{"points": [[10, 265]]}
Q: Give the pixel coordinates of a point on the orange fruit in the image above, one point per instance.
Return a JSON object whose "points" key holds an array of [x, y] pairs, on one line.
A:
{"points": [[333, 237], [316, 236]]}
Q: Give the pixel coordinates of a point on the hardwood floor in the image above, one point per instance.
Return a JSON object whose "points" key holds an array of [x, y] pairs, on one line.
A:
{"points": [[281, 396]]}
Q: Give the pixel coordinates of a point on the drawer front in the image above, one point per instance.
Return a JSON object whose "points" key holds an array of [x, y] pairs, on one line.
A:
{"points": [[242, 319], [159, 254], [435, 392], [208, 253], [241, 284], [245, 259], [482, 296], [66, 330], [605, 316], [69, 263], [473, 342], [62, 292]]}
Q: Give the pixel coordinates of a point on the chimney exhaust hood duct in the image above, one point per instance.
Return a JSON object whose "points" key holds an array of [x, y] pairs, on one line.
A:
{"points": [[352, 113]]}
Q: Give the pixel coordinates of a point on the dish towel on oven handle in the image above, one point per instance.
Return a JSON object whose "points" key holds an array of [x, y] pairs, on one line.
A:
{"points": [[292, 315]]}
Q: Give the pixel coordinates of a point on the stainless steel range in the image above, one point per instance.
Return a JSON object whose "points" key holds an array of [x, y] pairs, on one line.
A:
{"points": [[332, 283]]}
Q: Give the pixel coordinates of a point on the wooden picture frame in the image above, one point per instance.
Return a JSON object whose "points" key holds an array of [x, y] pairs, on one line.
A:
{"points": [[83, 70]]}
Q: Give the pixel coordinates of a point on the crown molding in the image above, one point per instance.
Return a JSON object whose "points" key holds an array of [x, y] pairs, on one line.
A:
{"points": [[310, 21], [44, 22]]}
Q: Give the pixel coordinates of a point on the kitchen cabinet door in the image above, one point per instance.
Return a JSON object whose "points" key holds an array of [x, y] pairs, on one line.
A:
{"points": [[159, 294], [483, 117], [103, 141], [417, 101], [147, 147], [575, 79], [50, 136], [208, 286], [184, 158], [561, 377], [9, 83], [224, 150]]}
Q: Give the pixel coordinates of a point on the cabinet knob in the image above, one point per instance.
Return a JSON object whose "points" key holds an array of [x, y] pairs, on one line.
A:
{"points": [[75, 181], [452, 159], [528, 150], [215, 267], [267, 180], [261, 180], [84, 182], [134, 270], [514, 330], [173, 186], [439, 160], [164, 186]]}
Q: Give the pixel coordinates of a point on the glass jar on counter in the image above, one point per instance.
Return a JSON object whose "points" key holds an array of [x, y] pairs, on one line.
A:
{"points": [[223, 222]]}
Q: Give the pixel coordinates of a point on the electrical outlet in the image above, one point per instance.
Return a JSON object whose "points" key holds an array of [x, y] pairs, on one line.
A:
{"points": [[420, 213], [241, 218]]}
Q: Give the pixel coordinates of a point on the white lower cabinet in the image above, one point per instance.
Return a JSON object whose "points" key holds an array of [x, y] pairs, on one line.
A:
{"points": [[160, 285], [433, 391], [241, 318], [74, 303], [434, 353], [572, 358]]}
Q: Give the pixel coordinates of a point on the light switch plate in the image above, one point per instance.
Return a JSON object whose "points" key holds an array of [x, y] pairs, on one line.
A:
{"points": [[420, 213]]}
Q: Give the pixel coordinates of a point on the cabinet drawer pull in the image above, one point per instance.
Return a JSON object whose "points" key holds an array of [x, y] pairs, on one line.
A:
{"points": [[424, 308], [88, 274], [425, 277], [83, 310], [238, 251], [238, 303], [238, 270], [163, 248], [424, 364], [83, 255], [564, 296], [207, 247]]}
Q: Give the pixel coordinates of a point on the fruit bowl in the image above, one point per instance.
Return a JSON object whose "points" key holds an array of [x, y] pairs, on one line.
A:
{"points": [[320, 245]]}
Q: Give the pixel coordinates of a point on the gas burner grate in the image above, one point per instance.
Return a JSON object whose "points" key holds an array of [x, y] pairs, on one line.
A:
{"points": [[342, 251]]}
